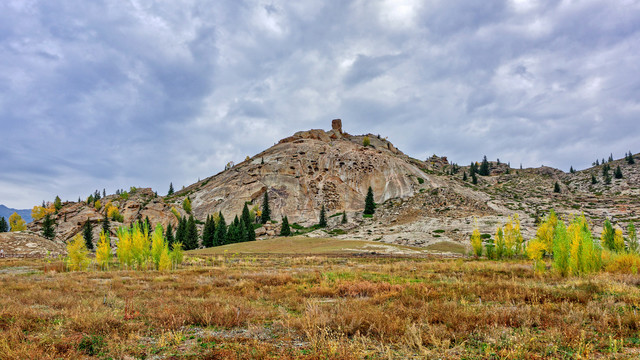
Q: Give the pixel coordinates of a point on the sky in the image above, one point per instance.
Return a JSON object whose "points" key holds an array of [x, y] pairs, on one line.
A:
{"points": [[112, 94]]}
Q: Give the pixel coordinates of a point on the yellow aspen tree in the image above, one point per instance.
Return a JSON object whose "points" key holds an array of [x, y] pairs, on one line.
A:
{"points": [[535, 251], [509, 239], [77, 254], [97, 205], [500, 246], [476, 240], [125, 247], [575, 248], [158, 246], [164, 262], [38, 212], [103, 251], [140, 246], [176, 254], [17, 223], [517, 234], [618, 241]]}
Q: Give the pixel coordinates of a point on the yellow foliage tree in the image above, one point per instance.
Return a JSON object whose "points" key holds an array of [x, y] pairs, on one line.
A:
{"points": [[97, 205], [77, 254], [546, 230], [38, 212], [125, 246], [158, 247], [176, 254], [164, 263], [512, 236], [476, 240], [140, 248], [103, 251], [16, 223], [535, 250], [618, 241]]}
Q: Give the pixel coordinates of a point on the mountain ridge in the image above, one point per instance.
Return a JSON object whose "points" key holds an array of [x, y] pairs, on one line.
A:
{"points": [[419, 202]]}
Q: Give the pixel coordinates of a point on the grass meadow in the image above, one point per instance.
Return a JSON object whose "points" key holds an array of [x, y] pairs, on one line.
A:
{"points": [[335, 305]]}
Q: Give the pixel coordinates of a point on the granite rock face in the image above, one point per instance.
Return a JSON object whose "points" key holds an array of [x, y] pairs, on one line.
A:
{"points": [[305, 171]]}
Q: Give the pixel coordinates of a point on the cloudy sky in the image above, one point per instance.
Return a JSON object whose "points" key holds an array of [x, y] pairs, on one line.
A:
{"points": [[112, 94]]}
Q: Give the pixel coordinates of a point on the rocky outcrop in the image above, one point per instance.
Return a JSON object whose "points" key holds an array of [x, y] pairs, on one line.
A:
{"points": [[25, 243], [136, 206], [305, 171]]}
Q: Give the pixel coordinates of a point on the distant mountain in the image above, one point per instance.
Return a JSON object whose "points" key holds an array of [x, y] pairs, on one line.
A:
{"points": [[6, 212]]}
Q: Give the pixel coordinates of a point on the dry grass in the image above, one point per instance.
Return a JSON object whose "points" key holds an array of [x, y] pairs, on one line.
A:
{"points": [[305, 245], [317, 307]]}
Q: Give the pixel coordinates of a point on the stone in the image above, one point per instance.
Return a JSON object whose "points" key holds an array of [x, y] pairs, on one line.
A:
{"points": [[336, 124]]}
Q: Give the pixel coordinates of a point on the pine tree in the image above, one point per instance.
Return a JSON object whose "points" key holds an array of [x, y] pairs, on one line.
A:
{"points": [[104, 193], [618, 173], [323, 218], [571, 170], [611, 157], [607, 179], [597, 162], [233, 233], [474, 178], [285, 230], [246, 217], [105, 223], [556, 187], [4, 227], [464, 176], [57, 204], [593, 179], [47, 227], [181, 230], [220, 237], [369, 204], [630, 159], [169, 236], [250, 232], [266, 212], [344, 217], [191, 236], [484, 167], [87, 234], [208, 232]]}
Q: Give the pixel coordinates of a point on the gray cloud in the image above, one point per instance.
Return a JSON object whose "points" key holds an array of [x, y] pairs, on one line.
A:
{"points": [[115, 94]]}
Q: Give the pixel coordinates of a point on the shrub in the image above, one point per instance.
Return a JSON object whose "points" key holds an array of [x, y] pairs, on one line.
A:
{"points": [[626, 263], [366, 141]]}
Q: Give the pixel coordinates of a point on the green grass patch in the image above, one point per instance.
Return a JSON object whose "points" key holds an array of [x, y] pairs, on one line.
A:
{"points": [[298, 245], [447, 246]]}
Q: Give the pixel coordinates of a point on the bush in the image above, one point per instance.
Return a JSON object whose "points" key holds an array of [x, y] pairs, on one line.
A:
{"points": [[366, 141], [626, 263]]}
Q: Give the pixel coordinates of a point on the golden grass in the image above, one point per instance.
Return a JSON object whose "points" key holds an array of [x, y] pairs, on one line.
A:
{"points": [[318, 307]]}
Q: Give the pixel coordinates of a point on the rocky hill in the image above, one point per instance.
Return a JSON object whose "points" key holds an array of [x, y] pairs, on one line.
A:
{"points": [[419, 202]]}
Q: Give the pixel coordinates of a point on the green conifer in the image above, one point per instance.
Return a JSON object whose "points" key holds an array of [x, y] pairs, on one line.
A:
{"points": [[285, 230], [369, 204], [47, 227], [323, 217], [87, 234], [266, 212]]}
